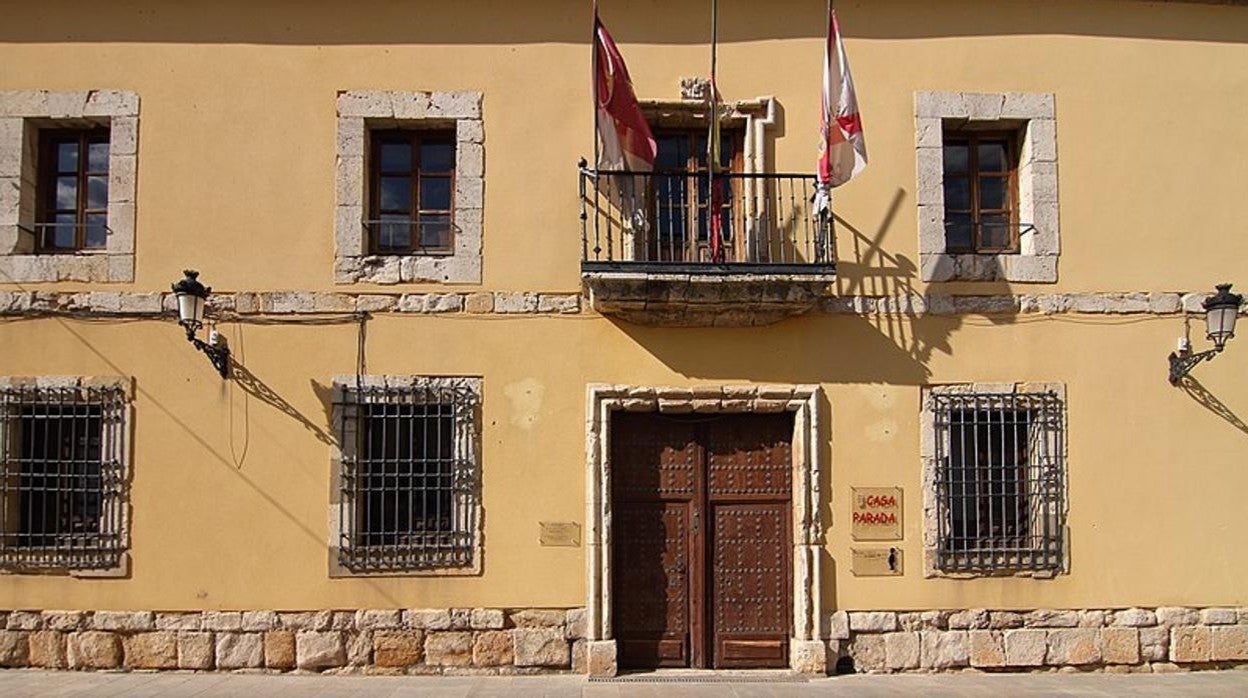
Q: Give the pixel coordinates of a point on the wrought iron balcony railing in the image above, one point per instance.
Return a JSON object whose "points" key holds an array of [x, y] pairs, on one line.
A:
{"points": [[662, 222]]}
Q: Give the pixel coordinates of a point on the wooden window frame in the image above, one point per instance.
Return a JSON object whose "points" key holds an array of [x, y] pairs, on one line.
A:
{"points": [[49, 172], [694, 169], [414, 138], [971, 140]]}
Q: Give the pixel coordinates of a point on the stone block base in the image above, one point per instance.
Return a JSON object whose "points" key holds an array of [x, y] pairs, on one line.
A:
{"points": [[601, 659], [808, 656], [382, 641], [1162, 639]]}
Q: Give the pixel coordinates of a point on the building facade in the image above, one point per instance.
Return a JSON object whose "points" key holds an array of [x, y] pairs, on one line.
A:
{"points": [[486, 409]]}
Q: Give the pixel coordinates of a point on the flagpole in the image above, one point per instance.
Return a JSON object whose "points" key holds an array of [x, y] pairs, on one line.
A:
{"points": [[825, 215], [593, 82], [713, 122]]}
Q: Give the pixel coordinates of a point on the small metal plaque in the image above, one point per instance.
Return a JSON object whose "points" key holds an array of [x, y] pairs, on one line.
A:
{"points": [[560, 533], [876, 513], [877, 562]]}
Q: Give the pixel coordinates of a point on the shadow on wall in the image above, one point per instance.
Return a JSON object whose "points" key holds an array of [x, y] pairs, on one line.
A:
{"points": [[253, 386], [302, 22], [1209, 401], [889, 341]]}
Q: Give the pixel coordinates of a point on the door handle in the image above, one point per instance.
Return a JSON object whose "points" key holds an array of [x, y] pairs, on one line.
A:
{"points": [[696, 521]]}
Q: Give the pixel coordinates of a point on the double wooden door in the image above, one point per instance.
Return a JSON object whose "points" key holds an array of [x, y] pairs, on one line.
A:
{"points": [[701, 539]]}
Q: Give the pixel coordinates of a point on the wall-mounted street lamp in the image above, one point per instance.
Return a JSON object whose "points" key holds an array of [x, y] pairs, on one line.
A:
{"points": [[192, 296], [1221, 311]]}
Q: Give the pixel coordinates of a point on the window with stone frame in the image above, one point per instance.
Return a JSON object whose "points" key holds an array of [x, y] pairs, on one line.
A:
{"points": [[996, 472], [987, 186], [407, 475], [981, 191], [67, 185], [409, 219], [72, 192], [411, 191], [63, 484]]}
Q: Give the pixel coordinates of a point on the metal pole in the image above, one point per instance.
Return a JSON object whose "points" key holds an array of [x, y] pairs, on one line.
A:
{"points": [[713, 121], [593, 48], [593, 83], [822, 253]]}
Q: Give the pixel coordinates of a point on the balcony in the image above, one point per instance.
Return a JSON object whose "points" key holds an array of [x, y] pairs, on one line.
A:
{"points": [[648, 255]]}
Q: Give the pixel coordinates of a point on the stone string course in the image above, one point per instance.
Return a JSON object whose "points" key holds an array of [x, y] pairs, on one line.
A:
{"points": [[531, 302], [1166, 639], [418, 641]]}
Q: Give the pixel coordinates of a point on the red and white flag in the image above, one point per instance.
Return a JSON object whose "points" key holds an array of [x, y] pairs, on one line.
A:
{"points": [[843, 150], [627, 143]]}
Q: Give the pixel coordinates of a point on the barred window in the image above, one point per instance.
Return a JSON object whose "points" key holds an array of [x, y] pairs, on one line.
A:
{"points": [[408, 474], [63, 482], [1000, 481]]}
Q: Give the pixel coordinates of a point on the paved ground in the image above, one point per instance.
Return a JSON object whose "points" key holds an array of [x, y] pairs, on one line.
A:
{"points": [[21, 682]]}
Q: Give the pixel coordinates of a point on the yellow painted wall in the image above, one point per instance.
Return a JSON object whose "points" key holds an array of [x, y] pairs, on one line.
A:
{"points": [[236, 168]]}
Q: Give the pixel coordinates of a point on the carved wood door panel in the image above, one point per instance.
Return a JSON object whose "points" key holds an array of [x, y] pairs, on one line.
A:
{"points": [[702, 540], [654, 480]]}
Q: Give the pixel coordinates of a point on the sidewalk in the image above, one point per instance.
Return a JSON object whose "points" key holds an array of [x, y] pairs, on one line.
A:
{"points": [[22, 682]]}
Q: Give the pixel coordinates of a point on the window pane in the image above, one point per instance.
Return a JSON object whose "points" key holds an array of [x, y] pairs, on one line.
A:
{"points": [[435, 231], [435, 194], [673, 153], [97, 192], [992, 157], [67, 157], [994, 232], [437, 157], [727, 149], [396, 193], [957, 194], [396, 157], [97, 157], [66, 193], [671, 194], [992, 193], [958, 231], [955, 158], [96, 232], [394, 232], [62, 233]]}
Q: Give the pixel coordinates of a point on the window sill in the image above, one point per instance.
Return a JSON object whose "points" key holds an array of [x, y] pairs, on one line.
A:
{"points": [[457, 267], [100, 266], [1017, 267], [338, 571]]}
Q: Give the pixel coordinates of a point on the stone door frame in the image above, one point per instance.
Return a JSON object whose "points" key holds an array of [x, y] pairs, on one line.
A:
{"points": [[807, 650]]}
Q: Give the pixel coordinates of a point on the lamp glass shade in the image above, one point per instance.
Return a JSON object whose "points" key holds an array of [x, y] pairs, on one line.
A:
{"points": [[190, 309], [1220, 321]]}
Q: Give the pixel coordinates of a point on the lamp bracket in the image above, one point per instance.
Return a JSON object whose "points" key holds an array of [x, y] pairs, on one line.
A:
{"points": [[1182, 364], [218, 353]]}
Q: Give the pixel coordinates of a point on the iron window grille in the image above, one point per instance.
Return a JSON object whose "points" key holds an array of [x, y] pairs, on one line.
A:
{"points": [[1000, 482], [409, 485], [63, 485]]}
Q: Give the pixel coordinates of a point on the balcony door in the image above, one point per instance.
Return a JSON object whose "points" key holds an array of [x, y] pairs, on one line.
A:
{"points": [[680, 195], [701, 539]]}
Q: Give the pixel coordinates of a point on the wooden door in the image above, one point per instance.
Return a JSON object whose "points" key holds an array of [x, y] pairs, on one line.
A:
{"points": [[701, 540]]}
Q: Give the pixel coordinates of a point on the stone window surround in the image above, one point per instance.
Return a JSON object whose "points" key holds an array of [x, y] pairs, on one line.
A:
{"points": [[1034, 115], [807, 649], [473, 436], [360, 111], [22, 115], [124, 449], [927, 448]]}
